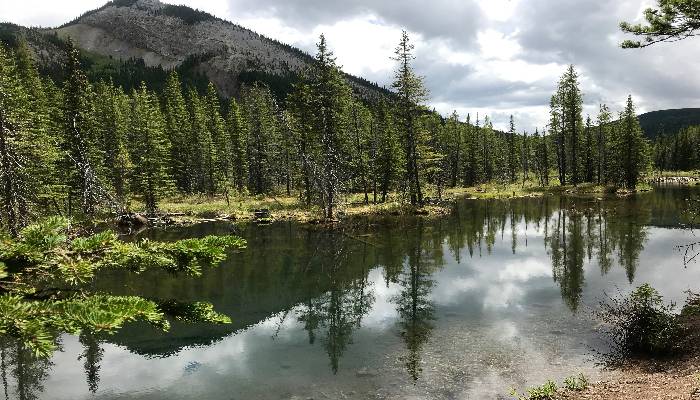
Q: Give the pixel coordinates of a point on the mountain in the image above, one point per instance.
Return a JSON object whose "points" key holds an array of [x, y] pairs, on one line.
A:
{"points": [[156, 35], [668, 121]]}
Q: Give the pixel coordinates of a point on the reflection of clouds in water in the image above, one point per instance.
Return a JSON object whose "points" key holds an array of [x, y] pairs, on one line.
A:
{"points": [[500, 321], [499, 280], [383, 313]]}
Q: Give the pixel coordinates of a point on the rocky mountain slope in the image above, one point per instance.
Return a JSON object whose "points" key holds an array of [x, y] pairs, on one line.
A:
{"points": [[168, 36]]}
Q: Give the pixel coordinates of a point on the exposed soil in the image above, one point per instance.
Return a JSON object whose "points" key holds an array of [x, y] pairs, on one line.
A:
{"points": [[677, 378]]}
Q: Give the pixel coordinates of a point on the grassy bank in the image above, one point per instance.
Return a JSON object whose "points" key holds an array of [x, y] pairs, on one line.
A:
{"points": [[197, 208]]}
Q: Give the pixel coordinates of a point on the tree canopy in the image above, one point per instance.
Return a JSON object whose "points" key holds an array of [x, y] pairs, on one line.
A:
{"points": [[671, 21]]}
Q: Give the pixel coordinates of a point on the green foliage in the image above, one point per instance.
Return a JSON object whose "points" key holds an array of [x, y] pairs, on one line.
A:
{"points": [[45, 269], [692, 305], [411, 93], [576, 383], [640, 324], [545, 392], [671, 21]]}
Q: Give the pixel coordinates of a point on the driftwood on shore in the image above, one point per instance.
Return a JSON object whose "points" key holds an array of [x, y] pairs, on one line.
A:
{"points": [[675, 180]]}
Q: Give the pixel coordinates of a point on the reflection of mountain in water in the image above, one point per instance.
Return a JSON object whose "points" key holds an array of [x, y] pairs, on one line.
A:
{"points": [[320, 278]]}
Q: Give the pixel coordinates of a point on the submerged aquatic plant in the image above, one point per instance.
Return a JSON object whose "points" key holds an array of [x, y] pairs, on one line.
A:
{"points": [[44, 272]]}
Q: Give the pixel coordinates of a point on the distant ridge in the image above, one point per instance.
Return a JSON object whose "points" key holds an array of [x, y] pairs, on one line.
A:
{"points": [[668, 121]]}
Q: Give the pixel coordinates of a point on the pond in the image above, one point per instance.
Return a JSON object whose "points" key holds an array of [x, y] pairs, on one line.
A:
{"points": [[498, 294]]}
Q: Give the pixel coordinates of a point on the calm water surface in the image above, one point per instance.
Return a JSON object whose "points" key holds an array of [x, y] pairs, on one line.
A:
{"points": [[497, 295]]}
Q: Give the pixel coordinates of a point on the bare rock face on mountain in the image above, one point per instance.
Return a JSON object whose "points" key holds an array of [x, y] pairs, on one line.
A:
{"points": [[167, 35]]}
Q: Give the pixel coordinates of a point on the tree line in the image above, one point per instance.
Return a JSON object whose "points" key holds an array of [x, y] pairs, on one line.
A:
{"points": [[679, 151], [82, 147]]}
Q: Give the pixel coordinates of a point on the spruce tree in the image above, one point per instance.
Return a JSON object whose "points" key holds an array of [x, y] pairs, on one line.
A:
{"points": [[454, 146], [80, 151], [112, 114], [589, 155], [177, 131], [411, 93], [151, 149], [389, 162], [360, 129], [260, 113], [634, 146], [331, 97], [512, 153], [602, 143], [237, 137], [17, 152], [220, 150]]}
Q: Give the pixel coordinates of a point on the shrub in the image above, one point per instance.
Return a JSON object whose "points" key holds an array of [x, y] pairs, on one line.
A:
{"points": [[544, 392], [576, 383], [692, 305], [641, 324]]}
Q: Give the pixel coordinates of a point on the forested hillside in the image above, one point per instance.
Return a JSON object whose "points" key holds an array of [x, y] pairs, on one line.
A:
{"points": [[667, 122]]}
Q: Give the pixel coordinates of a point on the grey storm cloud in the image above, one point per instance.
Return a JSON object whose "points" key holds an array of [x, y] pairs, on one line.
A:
{"points": [[457, 21], [586, 34], [583, 33]]}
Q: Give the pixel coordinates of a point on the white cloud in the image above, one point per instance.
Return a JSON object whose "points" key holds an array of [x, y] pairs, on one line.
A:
{"points": [[495, 57]]}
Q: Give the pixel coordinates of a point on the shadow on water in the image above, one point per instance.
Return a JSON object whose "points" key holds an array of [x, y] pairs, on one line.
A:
{"points": [[318, 281]]}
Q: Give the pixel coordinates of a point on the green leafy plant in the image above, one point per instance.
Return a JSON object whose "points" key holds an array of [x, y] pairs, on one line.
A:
{"points": [[640, 324], [692, 305], [44, 271], [576, 383], [543, 392]]}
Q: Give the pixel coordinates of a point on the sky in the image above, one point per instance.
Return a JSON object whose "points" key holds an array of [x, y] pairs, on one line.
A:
{"points": [[491, 57]]}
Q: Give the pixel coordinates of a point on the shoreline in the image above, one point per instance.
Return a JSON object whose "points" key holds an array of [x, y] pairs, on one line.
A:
{"points": [[194, 210], [674, 378]]}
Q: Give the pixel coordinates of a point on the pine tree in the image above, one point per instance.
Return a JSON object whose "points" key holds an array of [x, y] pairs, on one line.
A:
{"points": [[178, 132], [111, 120], [360, 128], [331, 97], [151, 149], [220, 150], [454, 148], [236, 127], [80, 151], [18, 154], [602, 138], [589, 156], [411, 93], [634, 146], [389, 163], [512, 153], [260, 113]]}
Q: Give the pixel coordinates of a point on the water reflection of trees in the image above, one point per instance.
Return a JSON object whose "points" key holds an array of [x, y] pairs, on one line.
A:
{"points": [[22, 374], [416, 311], [575, 230], [340, 310], [325, 275]]}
